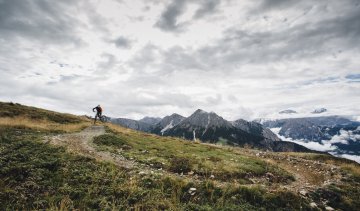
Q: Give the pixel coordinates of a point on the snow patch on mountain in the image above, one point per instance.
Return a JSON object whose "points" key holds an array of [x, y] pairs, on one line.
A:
{"points": [[167, 127]]}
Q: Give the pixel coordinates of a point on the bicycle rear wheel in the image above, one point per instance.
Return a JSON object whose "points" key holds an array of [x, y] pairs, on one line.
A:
{"points": [[103, 118]]}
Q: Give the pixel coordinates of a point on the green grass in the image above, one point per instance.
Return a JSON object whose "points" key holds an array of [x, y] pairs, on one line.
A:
{"points": [[109, 140], [203, 160], [34, 175]]}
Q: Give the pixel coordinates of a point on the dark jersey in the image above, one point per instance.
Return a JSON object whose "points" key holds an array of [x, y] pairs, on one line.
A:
{"points": [[98, 109]]}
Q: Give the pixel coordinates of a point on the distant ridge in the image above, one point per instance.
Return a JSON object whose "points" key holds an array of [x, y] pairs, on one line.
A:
{"points": [[212, 128], [288, 111]]}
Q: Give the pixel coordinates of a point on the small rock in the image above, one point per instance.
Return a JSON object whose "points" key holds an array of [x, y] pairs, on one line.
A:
{"points": [[313, 204], [192, 191], [257, 154], [142, 173], [303, 192], [190, 173], [329, 208], [268, 174], [212, 176]]}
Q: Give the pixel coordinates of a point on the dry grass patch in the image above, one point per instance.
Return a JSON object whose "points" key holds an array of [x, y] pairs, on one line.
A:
{"points": [[21, 121], [352, 167]]}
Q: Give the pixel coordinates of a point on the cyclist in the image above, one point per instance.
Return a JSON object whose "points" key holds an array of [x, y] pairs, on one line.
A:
{"points": [[98, 112]]}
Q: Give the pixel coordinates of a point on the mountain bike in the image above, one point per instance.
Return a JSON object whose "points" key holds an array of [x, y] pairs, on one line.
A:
{"points": [[104, 118]]}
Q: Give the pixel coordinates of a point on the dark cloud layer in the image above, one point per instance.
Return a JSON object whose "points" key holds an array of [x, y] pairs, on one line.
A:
{"points": [[169, 18], [39, 20], [207, 7], [123, 42], [331, 35], [275, 4]]}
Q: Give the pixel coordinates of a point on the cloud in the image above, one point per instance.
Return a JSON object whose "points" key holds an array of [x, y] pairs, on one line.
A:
{"points": [[344, 137], [168, 19], [242, 47], [327, 145], [355, 158], [123, 42], [221, 56], [108, 63], [207, 7], [43, 21], [323, 147], [275, 4], [353, 77]]}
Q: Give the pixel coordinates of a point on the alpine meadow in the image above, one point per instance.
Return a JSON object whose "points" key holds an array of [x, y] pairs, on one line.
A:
{"points": [[180, 105]]}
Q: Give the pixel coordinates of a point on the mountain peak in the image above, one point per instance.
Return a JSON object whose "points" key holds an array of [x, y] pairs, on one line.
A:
{"points": [[287, 111], [175, 115], [150, 120], [200, 111], [205, 119], [319, 110]]}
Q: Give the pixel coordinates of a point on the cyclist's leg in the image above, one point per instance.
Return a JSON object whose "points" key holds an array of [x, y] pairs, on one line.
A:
{"points": [[96, 116], [100, 117]]}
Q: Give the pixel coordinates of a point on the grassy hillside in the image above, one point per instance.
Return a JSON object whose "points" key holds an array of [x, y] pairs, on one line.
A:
{"points": [[42, 168], [16, 115]]}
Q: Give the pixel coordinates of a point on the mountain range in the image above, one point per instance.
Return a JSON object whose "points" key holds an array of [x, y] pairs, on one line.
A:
{"points": [[212, 128], [341, 134]]}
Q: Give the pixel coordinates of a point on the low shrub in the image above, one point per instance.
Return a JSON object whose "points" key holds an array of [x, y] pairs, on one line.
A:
{"points": [[110, 140], [180, 165]]}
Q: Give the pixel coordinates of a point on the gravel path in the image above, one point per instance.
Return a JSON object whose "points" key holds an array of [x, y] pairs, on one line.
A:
{"points": [[81, 143]]}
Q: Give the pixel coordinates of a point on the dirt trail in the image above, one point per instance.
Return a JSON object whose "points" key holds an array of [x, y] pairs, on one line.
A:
{"points": [[309, 174], [81, 143]]}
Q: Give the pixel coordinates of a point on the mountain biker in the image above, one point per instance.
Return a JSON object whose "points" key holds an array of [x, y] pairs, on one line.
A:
{"points": [[98, 112]]}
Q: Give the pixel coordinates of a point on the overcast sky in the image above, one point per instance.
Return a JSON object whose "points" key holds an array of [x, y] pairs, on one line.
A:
{"points": [[240, 59]]}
